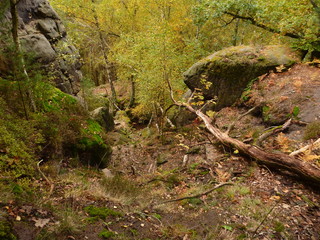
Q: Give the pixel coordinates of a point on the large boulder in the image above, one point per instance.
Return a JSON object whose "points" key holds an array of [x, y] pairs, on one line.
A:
{"points": [[225, 74], [43, 35]]}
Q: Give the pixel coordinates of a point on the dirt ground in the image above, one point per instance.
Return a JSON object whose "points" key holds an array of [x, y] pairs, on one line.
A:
{"points": [[262, 203]]}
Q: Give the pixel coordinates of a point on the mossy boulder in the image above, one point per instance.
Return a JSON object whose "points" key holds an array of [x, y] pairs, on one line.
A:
{"points": [[92, 148], [44, 38], [103, 116], [226, 74]]}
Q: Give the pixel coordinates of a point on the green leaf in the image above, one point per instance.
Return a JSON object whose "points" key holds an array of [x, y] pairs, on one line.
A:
{"points": [[226, 227], [295, 111]]}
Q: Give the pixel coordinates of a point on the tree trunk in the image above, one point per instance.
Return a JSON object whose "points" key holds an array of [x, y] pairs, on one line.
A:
{"points": [[105, 56], [133, 92], [20, 60]]}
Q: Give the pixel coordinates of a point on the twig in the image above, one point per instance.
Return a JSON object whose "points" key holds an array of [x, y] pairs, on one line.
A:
{"points": [[198, 195], [45, 177], [315, 145], [273, 131], [237, 120], [165, 117], [265, 218]]}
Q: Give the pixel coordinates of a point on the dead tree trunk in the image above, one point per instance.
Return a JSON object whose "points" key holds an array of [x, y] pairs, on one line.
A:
{"points": [[277, 160], [300, 168]]}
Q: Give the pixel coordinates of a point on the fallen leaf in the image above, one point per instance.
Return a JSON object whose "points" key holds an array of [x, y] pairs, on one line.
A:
{"points": [[41, 222], [274, 197]]}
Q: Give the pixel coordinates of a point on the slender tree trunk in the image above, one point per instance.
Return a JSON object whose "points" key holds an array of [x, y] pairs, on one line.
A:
{"points": [[133, 92], [21, 63], [236, 33], [105, 49]]}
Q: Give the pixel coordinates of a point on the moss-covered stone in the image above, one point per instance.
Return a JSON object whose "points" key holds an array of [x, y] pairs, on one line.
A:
{"points": [[226, 74], [103, 116], [92, 148]]}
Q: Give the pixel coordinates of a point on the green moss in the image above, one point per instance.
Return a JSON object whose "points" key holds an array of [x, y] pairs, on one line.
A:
{"points": [[195, 201], [312, 131], [5, 230], [194, 150], [53, 99], [91, 146], [106, 234], [101, 212]]}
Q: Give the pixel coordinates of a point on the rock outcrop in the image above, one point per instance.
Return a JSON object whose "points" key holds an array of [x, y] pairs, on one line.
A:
{"points": [[43, 35], [294, 93], [225, 74]]}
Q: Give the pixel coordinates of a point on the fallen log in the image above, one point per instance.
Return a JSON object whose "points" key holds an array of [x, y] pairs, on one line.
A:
{"points": [[304, 170], [283, 161]]}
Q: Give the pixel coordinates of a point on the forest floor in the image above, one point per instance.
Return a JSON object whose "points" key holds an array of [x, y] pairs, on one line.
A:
{"points": [[149, 170]]}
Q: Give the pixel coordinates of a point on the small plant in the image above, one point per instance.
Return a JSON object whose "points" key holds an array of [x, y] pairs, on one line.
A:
{"points": [[312, 131], [195, 201], [279, 227], [106, 234], [5, 230], [295, 111]]}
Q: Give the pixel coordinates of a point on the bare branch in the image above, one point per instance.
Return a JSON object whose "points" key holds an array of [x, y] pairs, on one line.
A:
{"points": [[260, 25], [274, 131], [238, 119], [198, 195]]}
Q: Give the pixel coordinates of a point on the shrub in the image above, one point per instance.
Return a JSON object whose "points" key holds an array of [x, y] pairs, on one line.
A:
{"points": [[312, 131]]}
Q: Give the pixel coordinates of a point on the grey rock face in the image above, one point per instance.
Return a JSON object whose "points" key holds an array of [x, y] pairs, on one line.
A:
{"points": [[40, 46], [42, 33]]}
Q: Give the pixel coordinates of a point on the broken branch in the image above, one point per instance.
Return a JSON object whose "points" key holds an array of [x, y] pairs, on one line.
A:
{"points": [[198, 195], [273, 131]]}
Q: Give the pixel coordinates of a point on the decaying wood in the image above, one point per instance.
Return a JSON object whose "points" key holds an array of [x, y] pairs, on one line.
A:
{"points": [[313, 146], [282, 161], [273, 131], [278, 160]]}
